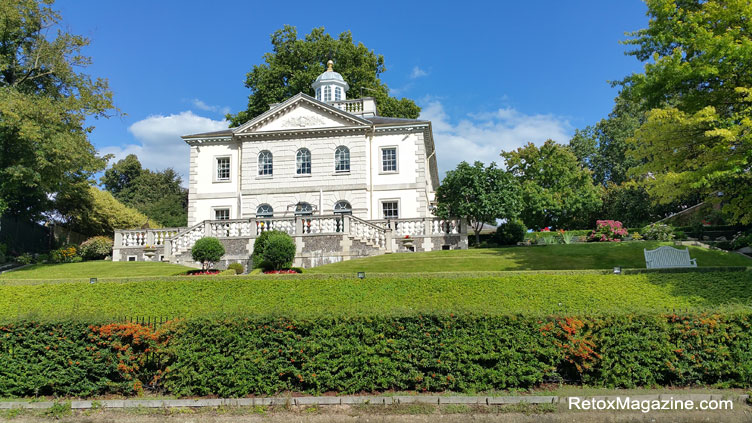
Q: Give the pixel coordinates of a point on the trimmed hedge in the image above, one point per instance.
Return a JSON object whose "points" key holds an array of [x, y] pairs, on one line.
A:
{"points": [[233, 357]]}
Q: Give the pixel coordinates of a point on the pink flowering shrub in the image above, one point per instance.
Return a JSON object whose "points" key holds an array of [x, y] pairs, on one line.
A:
{"points": [[607, 231]]}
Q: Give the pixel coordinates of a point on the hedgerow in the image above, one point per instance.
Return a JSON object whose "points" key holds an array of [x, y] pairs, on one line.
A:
{"points": [[239, 356]]}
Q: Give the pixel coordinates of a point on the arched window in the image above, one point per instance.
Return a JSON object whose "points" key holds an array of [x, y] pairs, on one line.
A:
{"points": [[327, 93], [337, 94], [303, 159], [342, 207], [318, 93], [303, 209], [265, 163], [342, 159], [265, 210]]}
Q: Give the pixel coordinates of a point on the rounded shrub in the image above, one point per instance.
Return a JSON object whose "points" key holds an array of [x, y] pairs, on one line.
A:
{"points": [[207, 250], [279, 252], [658, 232], [258, 248], [510, 233], [237, 267], [96, 248]]}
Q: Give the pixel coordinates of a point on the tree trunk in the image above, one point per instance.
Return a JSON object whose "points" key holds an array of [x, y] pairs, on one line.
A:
{"points": [[477, 237]]}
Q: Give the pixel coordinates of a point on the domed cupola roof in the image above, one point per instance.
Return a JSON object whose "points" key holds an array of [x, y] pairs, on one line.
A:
{"points": [[330, 82]]}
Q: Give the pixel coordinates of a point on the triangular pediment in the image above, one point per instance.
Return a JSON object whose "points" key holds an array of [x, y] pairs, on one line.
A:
{"points": [[300, 112]]}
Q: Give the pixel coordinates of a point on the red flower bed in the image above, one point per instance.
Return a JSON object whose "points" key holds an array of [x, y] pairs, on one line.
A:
{"points": [[276, 272], [203, 272]]}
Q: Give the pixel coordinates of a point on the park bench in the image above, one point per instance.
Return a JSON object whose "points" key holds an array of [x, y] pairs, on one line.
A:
{"points": [[666, 257]]}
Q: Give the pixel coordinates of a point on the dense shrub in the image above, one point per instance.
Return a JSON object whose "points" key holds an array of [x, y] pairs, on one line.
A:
{"points": [[238, 267], [24, 259], [608, 231], [64, 254], [510, 233], [96, 248], [207, 250], [236, 357], [279, 252], [658, 232], [258, 248]]}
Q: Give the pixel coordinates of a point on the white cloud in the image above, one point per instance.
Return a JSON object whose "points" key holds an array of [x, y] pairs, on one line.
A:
{"points": [[209, 108], [482, 136], [418, 72], [159, 144]]}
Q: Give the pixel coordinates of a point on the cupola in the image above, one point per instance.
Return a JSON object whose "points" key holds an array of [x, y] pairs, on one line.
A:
{"points": [[330, 86]]}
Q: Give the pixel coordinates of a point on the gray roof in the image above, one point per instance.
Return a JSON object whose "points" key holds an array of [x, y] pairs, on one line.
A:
{"points": [[330, 76], [223, 133], [383, 120]]}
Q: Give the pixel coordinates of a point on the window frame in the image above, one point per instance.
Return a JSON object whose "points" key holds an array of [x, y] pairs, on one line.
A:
{"points": [[396, 159], [300, 166], [389, 200], [265, 216], [263, 174], [221, 208], [301, 213], [337, 93], [327, 93], [217, 179], [348, 211], [337, 162]]}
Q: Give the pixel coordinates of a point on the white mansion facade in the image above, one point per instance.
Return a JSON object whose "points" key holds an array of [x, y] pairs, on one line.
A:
{"points": [[312, 166]]}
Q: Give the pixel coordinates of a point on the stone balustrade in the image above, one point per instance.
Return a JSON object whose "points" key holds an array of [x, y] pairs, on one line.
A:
{"points": [[378, 234]]}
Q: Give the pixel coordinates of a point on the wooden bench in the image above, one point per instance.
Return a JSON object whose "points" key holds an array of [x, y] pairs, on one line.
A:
{"points": [[667, 257]]}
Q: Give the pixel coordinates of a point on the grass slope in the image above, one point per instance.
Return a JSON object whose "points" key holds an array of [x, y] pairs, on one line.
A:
{"points": [[544, 257], [93, 269], [340, 296]]}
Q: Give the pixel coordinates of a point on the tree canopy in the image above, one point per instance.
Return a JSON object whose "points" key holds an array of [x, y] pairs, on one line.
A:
{"points": [[294, 63], [557, 191], [45, 153], [697, 86], [481, 194], [158, 195]]}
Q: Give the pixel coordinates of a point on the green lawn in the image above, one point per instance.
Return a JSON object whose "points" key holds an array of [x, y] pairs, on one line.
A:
{"points": [[93, 269], [544, 257], [322, 295]]}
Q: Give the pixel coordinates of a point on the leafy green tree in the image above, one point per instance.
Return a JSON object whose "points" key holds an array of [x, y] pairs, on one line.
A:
{"points": [[207, 250], [99, 213], [45, 100], [479, 194], [603, 148], [158, 195], [697, 84], [557, 190], [279, 251], [294, 64]]}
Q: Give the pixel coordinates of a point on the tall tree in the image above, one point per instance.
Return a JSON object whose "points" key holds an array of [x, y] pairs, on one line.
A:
{"points": [[158, 195], [294, 64], [45, 152], [557, 190], [480, 194], [697, 83]]}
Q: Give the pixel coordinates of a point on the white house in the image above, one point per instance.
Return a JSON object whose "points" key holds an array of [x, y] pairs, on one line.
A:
{"points": [[312, 166]]}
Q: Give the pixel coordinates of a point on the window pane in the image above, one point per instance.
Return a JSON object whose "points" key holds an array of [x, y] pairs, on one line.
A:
{"points": [[265, 163], [327, 93], [264, 210], [342, 159], [389, 160], [390, 209], [221, 214], [338, 94], [223, 169], [303, 159], [342, 207], [303, 209]]}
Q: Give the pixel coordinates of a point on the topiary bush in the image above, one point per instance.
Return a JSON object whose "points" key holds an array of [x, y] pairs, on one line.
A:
{"points": [[96, 248], [279, 252], [237, 267], [258, 248], [658, 232], [207, 250], [510, 233]]}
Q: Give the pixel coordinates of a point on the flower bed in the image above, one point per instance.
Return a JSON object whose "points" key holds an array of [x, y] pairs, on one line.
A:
{"points": [[201, 272], [608, 231], [284, 271]]}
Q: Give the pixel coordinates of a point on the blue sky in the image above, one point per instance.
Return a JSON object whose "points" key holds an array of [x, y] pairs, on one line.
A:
{"points": [[490, 75]]}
